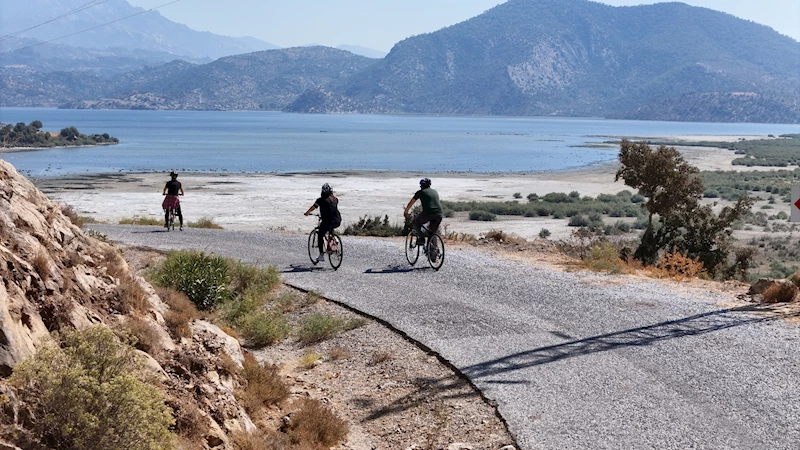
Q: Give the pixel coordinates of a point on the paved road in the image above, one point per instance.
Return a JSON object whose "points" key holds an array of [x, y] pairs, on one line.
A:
{"points": [[571, 364]]}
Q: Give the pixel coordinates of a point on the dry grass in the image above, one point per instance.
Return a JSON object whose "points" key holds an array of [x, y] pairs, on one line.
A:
{"points": [[141, 221], [147, 338], [205, 222], [310, 360], [259, 440], [227, 365], [42, 265], [780, 293], [229, 331], [337, 353], [181, 312], [503, 237], [130, 295], [113, 262], [265, 385], [312, 298], [78, 221], [190, 423], [319, 327], [316, 424], [286, 302], [380, 357], [604, 257], [795, 278], [678, 266]]}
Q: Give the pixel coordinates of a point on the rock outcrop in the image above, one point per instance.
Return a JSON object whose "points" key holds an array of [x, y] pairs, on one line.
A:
{"points": [[55, 277]]}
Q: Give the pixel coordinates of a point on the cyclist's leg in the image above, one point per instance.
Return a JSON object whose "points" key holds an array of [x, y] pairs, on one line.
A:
{"points": [[433, 226], [419, 221], [166, 217], [180, 216], [324, 229]]}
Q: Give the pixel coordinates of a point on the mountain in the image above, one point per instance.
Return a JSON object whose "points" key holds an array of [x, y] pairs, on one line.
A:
{"points": [[580, 58], [363, 51], [148, 31], [268, 80]]}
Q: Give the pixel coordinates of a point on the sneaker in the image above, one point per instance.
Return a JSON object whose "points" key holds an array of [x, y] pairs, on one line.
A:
{"points": [[181, 228], [321, 257]]}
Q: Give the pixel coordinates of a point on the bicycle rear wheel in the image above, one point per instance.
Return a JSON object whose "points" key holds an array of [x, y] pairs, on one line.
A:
{"points": [[312, 246], [171, 223], [335, 251], [411, 248], [435, 251]]}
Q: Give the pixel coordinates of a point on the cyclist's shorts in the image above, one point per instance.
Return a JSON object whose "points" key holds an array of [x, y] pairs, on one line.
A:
{"points": [[171, 201]]}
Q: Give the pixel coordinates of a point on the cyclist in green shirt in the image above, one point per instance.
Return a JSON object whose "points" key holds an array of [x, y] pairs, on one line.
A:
{"points": [[432, 211]]}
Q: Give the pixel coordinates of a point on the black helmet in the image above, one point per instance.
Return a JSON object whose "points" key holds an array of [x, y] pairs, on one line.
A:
{"points": [[425, 182], [327, 189]]}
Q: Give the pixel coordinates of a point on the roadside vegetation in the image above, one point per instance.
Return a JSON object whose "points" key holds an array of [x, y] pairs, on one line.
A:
{"points": [[21, 135], [774, 152]]}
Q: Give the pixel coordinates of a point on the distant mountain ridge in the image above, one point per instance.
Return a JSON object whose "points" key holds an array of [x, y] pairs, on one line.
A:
{"points": [[146, 32], [580, 58], [666, 61]]}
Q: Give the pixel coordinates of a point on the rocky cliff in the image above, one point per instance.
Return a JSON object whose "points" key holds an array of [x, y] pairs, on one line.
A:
{"points": [[54, 277]]}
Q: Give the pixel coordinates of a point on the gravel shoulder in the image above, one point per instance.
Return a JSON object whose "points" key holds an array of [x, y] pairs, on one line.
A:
{"points": [[573, 360]]}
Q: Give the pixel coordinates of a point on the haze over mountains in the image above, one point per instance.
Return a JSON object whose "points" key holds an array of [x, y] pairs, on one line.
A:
{"points": [[666, 61]]}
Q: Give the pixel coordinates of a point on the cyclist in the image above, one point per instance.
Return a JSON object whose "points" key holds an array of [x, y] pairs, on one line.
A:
{"points": [[328, 206], [172, 190], [432, 211]]}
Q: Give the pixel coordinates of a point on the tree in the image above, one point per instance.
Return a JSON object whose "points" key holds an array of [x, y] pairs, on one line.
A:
{"points": [[36, 124], [673, 193]]}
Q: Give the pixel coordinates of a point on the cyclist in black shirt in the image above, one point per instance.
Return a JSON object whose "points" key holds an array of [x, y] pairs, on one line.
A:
{"points": [[172, 190], [328, 206]]}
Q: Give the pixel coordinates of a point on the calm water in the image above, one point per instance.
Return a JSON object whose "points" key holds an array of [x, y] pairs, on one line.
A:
{"points": [[216, 141]]}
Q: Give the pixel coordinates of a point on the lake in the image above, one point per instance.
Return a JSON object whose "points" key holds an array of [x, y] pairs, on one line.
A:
{"points": [[275, 142]]}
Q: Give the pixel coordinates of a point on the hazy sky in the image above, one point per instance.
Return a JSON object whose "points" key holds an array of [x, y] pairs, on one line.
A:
{"points": [[379, 24]]}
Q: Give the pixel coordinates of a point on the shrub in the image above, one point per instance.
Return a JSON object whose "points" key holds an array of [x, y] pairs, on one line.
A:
{"points": [[316, 424], [604, 257], [42, 265], [205, 222], [532, 197], [679, 266], [181, 312], [338, 352], [578, 221], [264, 328], [260, 440], [88, 393], [201, 277], [78, 221], [374, 226], [141, 221], [319, 327], [780, 292], [483, 216], [130, 295], [147, 338], [544, 233], [310, 360], [244, 279], [265, 385], [517, 195]]}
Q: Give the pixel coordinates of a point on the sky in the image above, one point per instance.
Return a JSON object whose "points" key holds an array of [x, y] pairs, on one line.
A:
{"points": [[379, 24]]}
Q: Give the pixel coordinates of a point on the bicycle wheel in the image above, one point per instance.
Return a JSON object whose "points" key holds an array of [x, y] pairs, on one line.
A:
{"points": [[312, 246], [171, 223], [435, 251], [335, 251], [412, 249]]}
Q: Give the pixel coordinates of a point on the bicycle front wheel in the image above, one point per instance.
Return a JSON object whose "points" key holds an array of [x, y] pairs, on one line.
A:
{"points": [[312, 246], [436, 251], [335, 251], [171, 225], [411, 248]]}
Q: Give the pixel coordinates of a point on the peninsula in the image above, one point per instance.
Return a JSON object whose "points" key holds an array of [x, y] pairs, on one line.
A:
{"points": [[28, 137]]}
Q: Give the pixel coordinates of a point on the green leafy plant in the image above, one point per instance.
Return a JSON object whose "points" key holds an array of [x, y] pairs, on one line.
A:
{"points": [[202, 277], [87, 391], [319, 327]]}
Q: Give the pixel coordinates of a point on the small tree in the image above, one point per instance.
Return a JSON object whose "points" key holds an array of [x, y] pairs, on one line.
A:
{"points": [[673, 193]]}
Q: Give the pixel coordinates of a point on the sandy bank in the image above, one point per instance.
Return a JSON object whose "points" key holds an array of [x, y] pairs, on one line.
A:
{"points": [[261, 201]]}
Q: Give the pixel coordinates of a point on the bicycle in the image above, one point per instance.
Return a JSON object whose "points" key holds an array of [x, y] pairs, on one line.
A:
{"points": [[172, 213], [434, 251], [332, 245]]}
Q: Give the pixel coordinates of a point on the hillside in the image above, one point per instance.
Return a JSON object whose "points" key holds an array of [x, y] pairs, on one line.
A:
{"points": [[580, 58], [150, 31], [255, 81]]}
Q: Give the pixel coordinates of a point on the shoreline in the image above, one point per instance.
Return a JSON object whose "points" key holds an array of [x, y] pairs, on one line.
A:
{"points": [[276, 201]]}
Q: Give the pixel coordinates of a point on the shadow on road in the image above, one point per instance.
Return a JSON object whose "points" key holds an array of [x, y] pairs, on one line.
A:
{"points": [[303, 269], [395, 269], [689, 326], [426, 391]]}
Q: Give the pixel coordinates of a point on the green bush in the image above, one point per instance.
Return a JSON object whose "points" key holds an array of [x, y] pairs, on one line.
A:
{"points": [[264, 328], [318, 327], [578, 221], [375, 226], [483, 216], [203, 278], [88, 393], [205, 222], [544, 233]]}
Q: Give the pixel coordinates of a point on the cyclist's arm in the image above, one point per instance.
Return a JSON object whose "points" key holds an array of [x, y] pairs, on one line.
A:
{"points": [[164, 192], [181, 190], [313, 207], [409, 205]]}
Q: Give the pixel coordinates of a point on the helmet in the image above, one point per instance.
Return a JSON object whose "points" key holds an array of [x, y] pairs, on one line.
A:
{"points": [[173, 174], [425, 182], [326, 188]]}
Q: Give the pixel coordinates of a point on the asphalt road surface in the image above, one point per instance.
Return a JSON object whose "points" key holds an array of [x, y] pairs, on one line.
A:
{"points": [[570, 363]]}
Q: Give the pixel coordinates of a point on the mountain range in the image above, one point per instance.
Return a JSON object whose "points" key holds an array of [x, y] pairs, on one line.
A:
{"points": [[666, 61]]}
